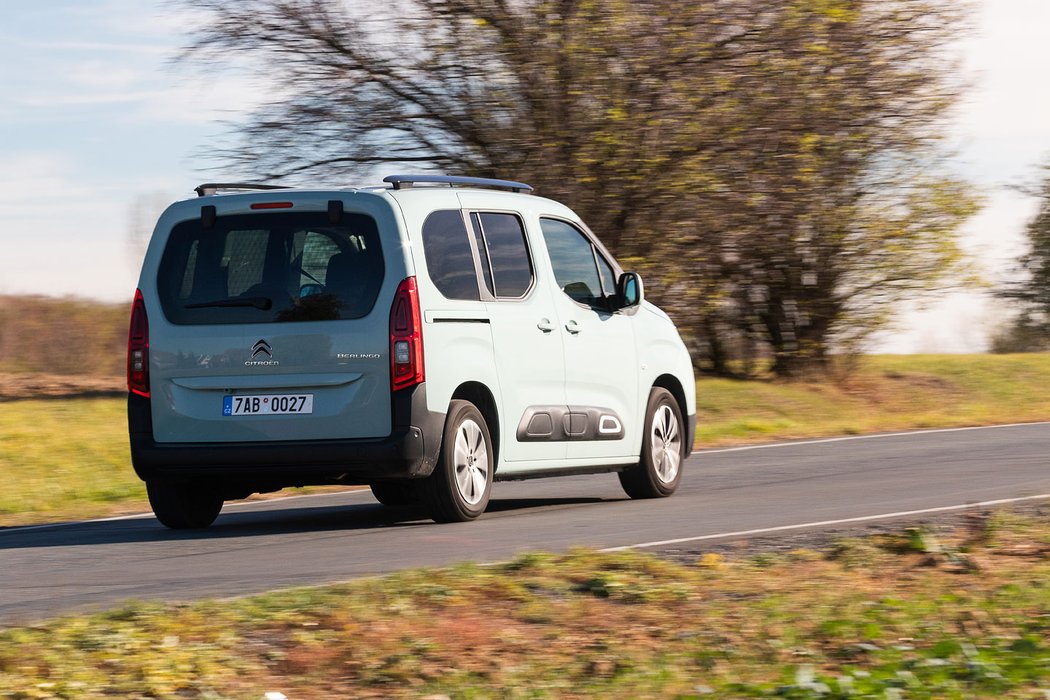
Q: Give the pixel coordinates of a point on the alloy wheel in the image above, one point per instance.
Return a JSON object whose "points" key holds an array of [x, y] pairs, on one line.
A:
{"points": [[666, 444], [471, 462]]}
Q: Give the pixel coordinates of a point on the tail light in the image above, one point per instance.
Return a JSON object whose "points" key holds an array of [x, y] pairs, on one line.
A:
{"points": [[406, 337], [138, 348]]}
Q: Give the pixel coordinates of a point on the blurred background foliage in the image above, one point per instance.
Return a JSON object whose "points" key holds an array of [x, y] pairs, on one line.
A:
{"points": [[776, 169], [1029, 291], [62, 336]]}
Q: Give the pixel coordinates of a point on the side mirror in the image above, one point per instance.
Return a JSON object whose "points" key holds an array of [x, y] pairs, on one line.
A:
{"points": [[629, 291]]}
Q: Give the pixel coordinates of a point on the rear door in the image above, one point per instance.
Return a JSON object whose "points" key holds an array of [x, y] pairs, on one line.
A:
{"points": [[527, 346], [275, 325]]}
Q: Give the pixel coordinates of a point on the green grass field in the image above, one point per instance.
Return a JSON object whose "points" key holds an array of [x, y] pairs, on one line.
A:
{"points": [[68, 459], [884, 393], [65, 459], [900, 616]]}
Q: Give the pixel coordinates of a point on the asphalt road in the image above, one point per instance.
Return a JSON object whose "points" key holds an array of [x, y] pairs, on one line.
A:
{"points": [[308, 540]]}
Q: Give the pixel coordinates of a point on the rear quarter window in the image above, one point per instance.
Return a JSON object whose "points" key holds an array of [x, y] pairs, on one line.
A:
{"points": [[273, 267], [449, 257]]}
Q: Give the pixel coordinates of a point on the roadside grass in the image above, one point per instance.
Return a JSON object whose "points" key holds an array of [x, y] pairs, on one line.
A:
{"points": [[69, 459], [883, 393], [915, 615], [65, 459]]}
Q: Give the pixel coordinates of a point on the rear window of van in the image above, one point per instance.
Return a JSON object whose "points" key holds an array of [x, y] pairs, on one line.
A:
{"points": [[272, 267]]}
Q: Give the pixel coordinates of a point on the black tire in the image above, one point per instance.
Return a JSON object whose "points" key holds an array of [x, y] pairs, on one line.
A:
{"points": [[461, 484], [395, 493], [183, 506], [659, 470]]}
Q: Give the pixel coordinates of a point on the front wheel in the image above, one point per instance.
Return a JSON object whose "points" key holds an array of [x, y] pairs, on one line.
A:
{"points": [[183, 506], [663, 449], [460, 486]]}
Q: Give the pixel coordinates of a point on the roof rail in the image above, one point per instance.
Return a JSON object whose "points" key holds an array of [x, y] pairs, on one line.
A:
{"points": [[404, 182], [214, 187]]}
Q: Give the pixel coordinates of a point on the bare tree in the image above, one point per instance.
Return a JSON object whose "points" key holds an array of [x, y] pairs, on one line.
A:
{"points": [[773, 167]]}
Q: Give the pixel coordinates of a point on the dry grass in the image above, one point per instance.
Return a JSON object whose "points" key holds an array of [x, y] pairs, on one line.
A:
{"points": [[37, 385]]}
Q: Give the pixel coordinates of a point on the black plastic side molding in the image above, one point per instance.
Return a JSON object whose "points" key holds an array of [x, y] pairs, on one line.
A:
{"points": [[565, 423]]}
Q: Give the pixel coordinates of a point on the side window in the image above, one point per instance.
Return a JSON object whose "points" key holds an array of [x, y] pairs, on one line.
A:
{"points": [[507, 254], [449, 258], [573, 259]]}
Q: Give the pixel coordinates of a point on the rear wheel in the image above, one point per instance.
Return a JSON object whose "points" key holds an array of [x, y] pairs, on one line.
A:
{"points": [[663, 449], [460, 486], [395, 493], [183, 506]]}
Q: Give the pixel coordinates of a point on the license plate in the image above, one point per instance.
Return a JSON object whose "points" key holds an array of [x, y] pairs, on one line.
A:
{"points": [[267, 405]]}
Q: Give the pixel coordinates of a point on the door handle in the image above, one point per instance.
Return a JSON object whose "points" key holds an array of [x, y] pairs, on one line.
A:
{"points": [[573, 327], [545, 325]]}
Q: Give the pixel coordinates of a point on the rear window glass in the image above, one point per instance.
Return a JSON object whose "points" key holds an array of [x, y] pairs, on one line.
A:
{"points": [[274, 267]]}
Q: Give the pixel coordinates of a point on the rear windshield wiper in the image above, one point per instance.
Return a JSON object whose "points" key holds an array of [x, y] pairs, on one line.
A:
{"points": [[262, 303]]}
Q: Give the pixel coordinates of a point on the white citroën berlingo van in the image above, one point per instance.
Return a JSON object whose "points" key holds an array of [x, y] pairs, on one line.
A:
{"points": [[425, 338]]}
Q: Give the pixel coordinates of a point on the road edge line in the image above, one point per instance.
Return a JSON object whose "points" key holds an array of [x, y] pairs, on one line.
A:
{"points": [[873, 436], [825, 523]]}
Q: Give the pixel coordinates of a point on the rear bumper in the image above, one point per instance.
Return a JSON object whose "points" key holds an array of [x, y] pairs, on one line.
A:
{"points": [[410, 451]]}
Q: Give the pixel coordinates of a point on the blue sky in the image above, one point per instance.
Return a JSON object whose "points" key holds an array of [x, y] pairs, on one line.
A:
{"points": [[99, 129], [95, 120]]}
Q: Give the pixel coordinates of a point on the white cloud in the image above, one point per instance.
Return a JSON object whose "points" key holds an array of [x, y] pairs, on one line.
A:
{"points": [[107, 75], [1005, 117], [118, 47], [32, 179], [59, 99], [995, 236], [222, 97]]}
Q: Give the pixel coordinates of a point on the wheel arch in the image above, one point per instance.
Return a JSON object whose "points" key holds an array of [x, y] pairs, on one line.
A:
{"points": [[671, 383], [480, 395]]}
